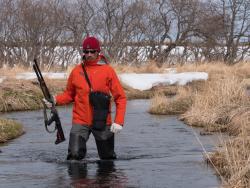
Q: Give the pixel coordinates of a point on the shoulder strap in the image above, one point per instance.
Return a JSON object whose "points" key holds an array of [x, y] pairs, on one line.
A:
{"points": [[86, 77]]}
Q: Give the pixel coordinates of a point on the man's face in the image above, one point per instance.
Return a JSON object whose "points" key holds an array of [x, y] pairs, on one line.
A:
{"points": [[90, 54]]}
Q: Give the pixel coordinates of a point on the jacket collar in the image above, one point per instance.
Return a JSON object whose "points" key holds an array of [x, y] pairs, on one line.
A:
{"points": [[101, 60]]}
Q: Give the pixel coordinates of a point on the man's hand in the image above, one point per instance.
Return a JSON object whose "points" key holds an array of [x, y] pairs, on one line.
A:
{"points": [[47, 103], [115, 128]]}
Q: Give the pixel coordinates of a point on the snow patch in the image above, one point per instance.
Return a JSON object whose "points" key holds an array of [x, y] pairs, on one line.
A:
{"points": [[50, 75], [2, 79], [147, 81]]}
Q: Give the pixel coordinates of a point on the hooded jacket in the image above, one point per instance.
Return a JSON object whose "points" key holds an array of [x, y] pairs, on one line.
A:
{"points": [[103, 78]]}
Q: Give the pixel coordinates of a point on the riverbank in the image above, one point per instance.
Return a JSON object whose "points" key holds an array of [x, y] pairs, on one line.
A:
{"points": [[19, 95], [220, 104], [9, 129]]}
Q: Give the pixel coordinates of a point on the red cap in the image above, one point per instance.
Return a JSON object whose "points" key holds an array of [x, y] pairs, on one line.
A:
{"points": [[91, 43]]}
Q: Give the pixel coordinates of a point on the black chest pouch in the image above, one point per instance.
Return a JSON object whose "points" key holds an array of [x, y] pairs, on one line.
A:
{"points": [[100, 102]]}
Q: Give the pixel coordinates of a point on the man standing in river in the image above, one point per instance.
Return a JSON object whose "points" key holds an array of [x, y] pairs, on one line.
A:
{"points": [[89, 86]]}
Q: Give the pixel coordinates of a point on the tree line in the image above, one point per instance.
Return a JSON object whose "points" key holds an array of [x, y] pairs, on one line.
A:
{"points": [[131, 31]]}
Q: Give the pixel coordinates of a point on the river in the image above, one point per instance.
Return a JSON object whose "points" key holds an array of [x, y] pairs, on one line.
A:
{"points": [[153, 151]]}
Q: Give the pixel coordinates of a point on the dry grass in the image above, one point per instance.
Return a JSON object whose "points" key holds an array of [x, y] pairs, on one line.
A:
{"points": [[10, 73], [160, 104], [215, 105], [9, 129], [218, 70], [240, 121], [233, 162], [148, 67], [18, 95], [233, 159], [132, 93]]}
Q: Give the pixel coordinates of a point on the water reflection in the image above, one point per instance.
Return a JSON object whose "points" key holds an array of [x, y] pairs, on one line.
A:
{"points": [[77, 170], [106, 175]]}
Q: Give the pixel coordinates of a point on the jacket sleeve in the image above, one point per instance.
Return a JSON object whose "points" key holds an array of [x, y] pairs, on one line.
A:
{"points": [[68, 95], [119, 98]]}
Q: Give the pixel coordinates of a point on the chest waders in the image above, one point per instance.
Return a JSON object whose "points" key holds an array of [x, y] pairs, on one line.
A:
{"points": [[104, 138]]}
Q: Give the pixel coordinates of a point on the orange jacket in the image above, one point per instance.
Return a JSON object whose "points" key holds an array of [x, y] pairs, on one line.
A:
{"points": [[103, 78]]}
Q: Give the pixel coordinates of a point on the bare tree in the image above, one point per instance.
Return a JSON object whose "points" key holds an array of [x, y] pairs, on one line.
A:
{"points": [[209, 31], [173, 23], [236, 14], [78, 17], [119, 24], [131, 31], [36, 29], [8, 28]]}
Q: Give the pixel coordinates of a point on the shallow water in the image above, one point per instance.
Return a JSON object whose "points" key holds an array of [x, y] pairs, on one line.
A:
{"points": [[153, 151]]}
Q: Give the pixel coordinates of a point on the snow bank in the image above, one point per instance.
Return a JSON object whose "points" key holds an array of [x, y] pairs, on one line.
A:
{"points": [[147, 81]]}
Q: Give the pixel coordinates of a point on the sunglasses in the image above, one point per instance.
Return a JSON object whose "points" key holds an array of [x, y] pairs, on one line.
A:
{"points": [[89, 51]]}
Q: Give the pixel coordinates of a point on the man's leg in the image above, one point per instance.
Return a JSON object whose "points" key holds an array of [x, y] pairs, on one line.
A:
{"points": [[105, 143], [77, 142]]}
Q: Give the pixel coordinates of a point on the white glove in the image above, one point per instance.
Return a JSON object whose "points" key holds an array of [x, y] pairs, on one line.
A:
{"points": [[47, 103], [115, 128]]}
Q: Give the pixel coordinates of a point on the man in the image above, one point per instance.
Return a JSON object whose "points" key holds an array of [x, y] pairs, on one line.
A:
{"points": [[103, 79]]}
